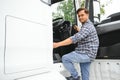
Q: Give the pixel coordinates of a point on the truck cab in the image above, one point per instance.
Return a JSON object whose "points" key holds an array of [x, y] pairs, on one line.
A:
{"points": [[107, 62]]}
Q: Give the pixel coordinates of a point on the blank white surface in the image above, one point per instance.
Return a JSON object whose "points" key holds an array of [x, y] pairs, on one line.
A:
{"points": [[53, 75], [27, 45]]}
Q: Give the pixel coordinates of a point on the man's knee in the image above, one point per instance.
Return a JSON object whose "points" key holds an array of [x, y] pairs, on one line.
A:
{"points": [[64, 58]]}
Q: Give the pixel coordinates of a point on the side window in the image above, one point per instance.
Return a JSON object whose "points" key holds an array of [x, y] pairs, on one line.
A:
{"points": [[96, 5], [48, 2], [106, 10]]}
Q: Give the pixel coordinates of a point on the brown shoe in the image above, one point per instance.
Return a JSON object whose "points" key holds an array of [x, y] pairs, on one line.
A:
{"points": [[71, 78]]}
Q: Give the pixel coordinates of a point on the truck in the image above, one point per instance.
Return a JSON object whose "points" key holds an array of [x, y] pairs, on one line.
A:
{"points": [[107, 63], [27, 32]]}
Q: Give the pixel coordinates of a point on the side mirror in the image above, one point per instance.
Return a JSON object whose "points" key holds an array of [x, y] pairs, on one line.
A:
{"points": [[50, 2], [96, 5], [55, 1]]}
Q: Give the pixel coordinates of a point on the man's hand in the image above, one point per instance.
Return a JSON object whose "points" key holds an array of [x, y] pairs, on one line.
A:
{"points": [[55, 45], [76, 28], [65, 42]]}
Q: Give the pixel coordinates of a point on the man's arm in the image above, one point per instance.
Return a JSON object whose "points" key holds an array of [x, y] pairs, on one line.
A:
{"points": [[65, 42]]}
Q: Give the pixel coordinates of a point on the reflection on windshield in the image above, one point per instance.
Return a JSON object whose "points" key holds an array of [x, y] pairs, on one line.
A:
{"points": [[65, 10], [110, 7], [102, 10]]}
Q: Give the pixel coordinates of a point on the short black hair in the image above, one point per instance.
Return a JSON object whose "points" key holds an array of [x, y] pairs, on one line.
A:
{"points": [[85, 10]]}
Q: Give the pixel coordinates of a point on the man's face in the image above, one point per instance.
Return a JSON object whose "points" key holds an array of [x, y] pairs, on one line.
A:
{"points": [[83, 17]]}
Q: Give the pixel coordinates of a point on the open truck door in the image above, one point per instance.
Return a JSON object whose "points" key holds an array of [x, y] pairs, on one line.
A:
{"points": [[26, 40]]}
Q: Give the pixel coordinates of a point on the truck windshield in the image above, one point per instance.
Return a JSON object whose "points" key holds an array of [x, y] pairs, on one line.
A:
{"points": [[111, 9], [106, 9]]}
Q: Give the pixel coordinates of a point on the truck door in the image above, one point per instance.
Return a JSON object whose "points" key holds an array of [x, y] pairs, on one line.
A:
{"points": [[25, 38]]}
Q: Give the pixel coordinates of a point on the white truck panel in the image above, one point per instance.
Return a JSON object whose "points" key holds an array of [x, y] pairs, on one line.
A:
{"points": [[101, 69], [53, 75], [105, 70], [25, 39], [26, 46]]}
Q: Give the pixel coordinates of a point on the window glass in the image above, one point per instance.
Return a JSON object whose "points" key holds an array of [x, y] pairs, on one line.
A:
{"points": [[46, 1], [109, 7], [65, 10]]}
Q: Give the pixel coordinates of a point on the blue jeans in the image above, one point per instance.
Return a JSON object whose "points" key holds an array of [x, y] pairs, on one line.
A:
{"points": [[82, 59]]}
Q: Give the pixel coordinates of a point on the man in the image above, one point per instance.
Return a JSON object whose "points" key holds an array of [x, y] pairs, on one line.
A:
{"points": [[86, 50]]}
